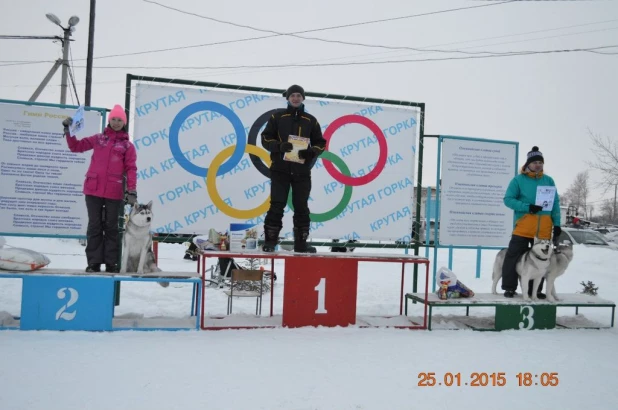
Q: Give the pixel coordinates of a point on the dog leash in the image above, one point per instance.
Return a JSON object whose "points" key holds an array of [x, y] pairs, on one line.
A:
{"points": [[538, 222]]}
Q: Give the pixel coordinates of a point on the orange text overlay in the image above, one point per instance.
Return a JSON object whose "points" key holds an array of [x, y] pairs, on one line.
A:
{"points": [[482, 379]]}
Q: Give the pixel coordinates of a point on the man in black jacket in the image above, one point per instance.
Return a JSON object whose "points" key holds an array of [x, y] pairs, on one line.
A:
{"points": [[285, 174]]}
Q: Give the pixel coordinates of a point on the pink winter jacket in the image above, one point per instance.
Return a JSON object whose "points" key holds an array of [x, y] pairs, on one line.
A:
{"points": [[113, 156]]}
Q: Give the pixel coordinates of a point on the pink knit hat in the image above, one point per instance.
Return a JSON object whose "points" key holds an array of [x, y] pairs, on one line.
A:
{"points": [[118, 112]]}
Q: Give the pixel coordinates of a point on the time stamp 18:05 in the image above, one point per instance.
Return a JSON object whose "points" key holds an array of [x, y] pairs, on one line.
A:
{"points": [[522, 379]]}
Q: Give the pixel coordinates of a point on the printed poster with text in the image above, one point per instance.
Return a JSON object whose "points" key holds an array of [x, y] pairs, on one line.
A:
{"points": [[201, 161], [475, 175], [41, 179]]}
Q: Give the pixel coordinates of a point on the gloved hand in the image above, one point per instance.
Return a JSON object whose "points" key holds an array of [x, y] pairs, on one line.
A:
{"points": [[286, 147], [130, 197], [535, 208], [308, 154], [66, 123], [557, 231]]}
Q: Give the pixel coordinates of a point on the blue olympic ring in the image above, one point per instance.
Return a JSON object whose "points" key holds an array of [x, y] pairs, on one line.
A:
{"points": [[239, 129]]}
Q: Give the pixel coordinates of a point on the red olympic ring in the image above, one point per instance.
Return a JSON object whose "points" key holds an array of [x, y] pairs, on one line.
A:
{"points": [[365, 179]]}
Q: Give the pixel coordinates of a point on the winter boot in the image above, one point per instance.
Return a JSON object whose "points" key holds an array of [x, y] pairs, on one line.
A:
{"points": [[111, 268], [300, 241], [271, 237], [93, 267]]}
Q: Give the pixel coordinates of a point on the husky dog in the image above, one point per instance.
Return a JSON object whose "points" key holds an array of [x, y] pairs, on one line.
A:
{"points": [[532, 265], [137, 255], [560, 259]]}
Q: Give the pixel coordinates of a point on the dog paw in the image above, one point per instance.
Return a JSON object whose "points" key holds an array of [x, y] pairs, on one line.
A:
{"points": [[140, 272]]}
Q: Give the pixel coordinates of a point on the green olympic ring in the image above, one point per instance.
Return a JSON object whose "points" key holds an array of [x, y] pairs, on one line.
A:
{"points": [[347, 191]]}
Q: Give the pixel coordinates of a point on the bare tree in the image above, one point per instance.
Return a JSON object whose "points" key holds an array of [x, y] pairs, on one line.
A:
{"points": [[577, 194], [607, 211], [606, 151]]}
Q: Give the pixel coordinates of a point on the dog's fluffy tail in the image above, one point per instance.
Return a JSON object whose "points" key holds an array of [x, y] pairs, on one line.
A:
{"points": [[497, 270]]}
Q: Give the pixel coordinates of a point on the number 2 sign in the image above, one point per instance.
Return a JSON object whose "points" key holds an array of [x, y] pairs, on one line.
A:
{"points": [[62, 312], [67, 303]]}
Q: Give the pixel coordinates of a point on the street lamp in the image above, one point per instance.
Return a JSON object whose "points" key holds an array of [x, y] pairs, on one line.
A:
{"points": [[65, 50]]}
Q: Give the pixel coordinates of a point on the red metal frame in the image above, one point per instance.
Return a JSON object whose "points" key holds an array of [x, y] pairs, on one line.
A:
{"points": [[155, 250], [272, 256]]}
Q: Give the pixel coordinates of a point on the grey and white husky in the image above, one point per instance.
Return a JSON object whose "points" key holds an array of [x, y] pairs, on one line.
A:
{"points": [[560, 260], [137, 255], [533, 265]]}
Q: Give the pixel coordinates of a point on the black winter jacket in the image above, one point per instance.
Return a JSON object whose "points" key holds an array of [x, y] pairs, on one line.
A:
{"points": [[291, 121]]}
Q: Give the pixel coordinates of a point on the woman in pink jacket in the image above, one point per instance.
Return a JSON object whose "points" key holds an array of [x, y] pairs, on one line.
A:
{"points": [[113, 157]]}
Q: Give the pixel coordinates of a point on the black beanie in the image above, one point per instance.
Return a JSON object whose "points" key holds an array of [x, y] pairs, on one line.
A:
{"points": [[294, 89], [534, 155]]}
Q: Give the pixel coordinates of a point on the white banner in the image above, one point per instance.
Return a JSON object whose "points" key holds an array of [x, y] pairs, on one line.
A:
{"points": [[475, 175], [193, 145], [41, 180]]}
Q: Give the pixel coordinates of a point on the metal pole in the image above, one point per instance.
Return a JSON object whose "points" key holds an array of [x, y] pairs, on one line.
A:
{"points": [[93, 6], [65, 65], [615, 190]]}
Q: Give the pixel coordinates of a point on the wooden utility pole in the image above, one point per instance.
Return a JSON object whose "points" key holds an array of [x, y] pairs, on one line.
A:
{"points": [[93, 6]]}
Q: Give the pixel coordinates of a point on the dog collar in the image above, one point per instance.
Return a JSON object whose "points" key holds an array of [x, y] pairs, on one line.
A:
{"points": [[541, 259]]}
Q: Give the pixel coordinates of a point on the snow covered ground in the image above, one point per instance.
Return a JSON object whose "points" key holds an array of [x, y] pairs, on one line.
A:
{"points": [[307, 368]]}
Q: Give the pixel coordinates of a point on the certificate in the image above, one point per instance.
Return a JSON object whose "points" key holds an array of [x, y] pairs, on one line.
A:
{"points": [[545, 197], [298, 143], [78, 120]]}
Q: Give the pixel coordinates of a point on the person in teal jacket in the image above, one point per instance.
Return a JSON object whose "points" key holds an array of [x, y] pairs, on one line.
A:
{"points": [[530, 219]]}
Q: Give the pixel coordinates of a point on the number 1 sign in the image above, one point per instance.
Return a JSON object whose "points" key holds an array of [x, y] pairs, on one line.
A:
{"points": [[320, 292]]}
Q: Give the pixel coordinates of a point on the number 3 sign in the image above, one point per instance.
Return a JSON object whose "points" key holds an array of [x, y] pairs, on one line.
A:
{"points": [[525, 317]]}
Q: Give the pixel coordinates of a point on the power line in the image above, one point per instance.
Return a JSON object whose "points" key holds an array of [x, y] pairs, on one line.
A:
{"points": [[424, 49], [421, 49], [295, 34], [536, 38], [511, 54], [236, 71], [332, 27]]}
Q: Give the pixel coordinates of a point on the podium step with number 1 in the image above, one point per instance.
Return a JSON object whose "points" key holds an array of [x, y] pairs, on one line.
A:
{"points": [[320, 291]]}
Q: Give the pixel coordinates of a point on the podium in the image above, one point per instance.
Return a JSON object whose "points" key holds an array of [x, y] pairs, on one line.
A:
{"points": [[70, 299], [320, 289]]}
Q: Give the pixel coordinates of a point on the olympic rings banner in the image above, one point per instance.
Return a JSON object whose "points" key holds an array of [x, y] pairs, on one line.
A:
{"points": [[201, 162]]}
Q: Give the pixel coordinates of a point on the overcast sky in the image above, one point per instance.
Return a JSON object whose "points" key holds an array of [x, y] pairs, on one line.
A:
{"points": [[549, 99]]}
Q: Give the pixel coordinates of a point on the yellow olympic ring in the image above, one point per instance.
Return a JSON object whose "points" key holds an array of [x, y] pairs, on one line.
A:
{"points": [[211, 184]]}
